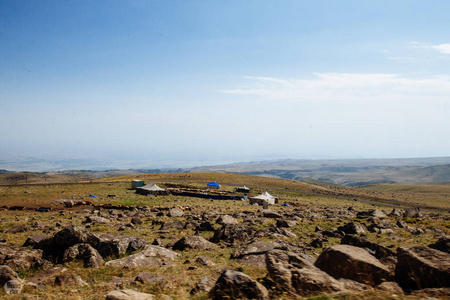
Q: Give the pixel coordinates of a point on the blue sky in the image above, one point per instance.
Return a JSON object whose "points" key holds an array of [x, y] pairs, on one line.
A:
{"points": [[201, 82]]}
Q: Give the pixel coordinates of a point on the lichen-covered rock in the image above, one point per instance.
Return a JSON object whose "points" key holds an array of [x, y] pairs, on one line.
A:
{"points": [[379, 250], [343, 261], [422, 267], [150, 256], [296, 275], [204, 285], [233, 234], [353, 228], [20, 259], [237, 285], [193, 242], [226, 219], [85, 252]]}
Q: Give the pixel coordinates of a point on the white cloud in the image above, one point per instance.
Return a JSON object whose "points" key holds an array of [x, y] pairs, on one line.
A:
{"points": [[350, 87], [443, 48]]}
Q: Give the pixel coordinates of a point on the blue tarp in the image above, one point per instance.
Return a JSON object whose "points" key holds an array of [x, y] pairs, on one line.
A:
{"points": [[213, 184], [93, 196], [284, 204]]}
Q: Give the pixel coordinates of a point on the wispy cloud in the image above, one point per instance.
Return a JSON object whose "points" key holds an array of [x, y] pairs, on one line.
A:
{"points": [[443, 48], [349, 87]]}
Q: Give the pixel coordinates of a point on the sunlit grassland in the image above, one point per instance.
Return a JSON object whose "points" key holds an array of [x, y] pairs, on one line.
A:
{"points": [[179, 279], [435, 195]]}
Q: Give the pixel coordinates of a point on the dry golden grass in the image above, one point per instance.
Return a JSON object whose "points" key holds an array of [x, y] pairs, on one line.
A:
{"points": [[181, 277]]}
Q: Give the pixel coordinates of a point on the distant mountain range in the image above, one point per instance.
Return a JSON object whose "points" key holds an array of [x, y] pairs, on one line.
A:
{"points": [[350, 172]]}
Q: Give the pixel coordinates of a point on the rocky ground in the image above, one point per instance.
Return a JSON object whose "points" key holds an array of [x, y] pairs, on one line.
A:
{"points": [[226, 250]]}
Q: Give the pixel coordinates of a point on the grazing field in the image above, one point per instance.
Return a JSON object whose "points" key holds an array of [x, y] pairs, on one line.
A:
{"points": [[314, 225], [436, 195]]}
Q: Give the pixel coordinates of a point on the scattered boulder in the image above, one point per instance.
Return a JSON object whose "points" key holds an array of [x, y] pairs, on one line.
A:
{"points": [[413, 213], [175, 212], [128, 295], [34, 240], [254, 253], [390, 286], [205, 261], [95, 220], [7, 274], [233, 234], [109, 245], [443, 244], [226, 219], [70, 279], [17, 229], [172, 225], [237, 285], [397, 213], [204, 285], [378, 250], [85, 252], [373, 213], [286, 223], [205, 226], [193, 242], [267, 213], [422, 267], [343, 261], [353, 228], [150, 256], [55, 246], [295, 275], [136, 221], [20, 259]]}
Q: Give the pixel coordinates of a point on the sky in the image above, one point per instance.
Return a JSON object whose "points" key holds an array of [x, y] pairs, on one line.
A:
{"points": [[203, 82]]}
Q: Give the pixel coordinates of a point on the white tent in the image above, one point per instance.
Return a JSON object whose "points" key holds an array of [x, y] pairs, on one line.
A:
{"points": [[264, 197], [151, 189]]}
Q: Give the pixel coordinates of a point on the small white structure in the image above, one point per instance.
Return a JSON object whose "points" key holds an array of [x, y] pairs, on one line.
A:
{"points": [[151, 189], [242, 189], [264, 198], [137, 183]]}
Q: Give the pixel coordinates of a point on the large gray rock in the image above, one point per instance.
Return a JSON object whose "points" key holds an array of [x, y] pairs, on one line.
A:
{"points": [[226, 219], [343, 261], [109, 245], [53, 247], [150, 256], [204, 285], [379, 250], [85, 252], [128, 295], [20, 259], [422, 267], [353, 228], [236, 285], [233, 234], [295, 275], [375, 213], [193, 242], [175, 212], [106, 244]]}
